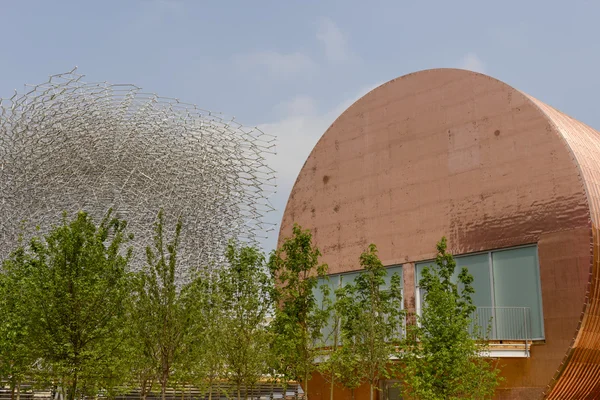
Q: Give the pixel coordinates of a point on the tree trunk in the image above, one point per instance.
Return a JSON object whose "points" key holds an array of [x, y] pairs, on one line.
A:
{"points": [[239, 396], [331, 388], [18, 390], [73, 389], [12, 391], [210, 385], [370, 391], [352, 392], [143, 390], [163, 389], [306, 386]]}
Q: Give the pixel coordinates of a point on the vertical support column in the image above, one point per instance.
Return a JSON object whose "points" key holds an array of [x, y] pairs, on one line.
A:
{"points": [[408, 277]]}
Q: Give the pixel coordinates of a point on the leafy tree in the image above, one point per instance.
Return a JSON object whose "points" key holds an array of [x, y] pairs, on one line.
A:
{"points": [[76, 286], [347, 367], [330, 360], [16, 353], [441, 360], [339, 363], [159, 313], [245, 286], [298, 318], [201, 356], [371, 320]]}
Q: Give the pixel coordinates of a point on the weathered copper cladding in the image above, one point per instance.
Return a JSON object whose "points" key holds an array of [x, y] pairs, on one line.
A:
{"points": [[456, 153]]}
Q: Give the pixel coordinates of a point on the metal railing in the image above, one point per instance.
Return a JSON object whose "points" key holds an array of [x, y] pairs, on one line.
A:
{"points": [[502, 323], [225, 391]]}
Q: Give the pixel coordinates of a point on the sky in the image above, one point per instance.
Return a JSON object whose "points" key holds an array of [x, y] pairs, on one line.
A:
{"points": [[291, 67]]}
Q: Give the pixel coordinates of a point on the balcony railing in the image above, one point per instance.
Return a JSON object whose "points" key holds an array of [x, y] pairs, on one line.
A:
{"points": [[502, 323]]}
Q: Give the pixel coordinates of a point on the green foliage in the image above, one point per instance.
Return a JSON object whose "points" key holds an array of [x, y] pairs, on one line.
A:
{"points": [[371, 321], [441, 360], [340, 364], [298, 318], [245, 289], [16, 353], [76, 286], [158, 312], [201, 360]]}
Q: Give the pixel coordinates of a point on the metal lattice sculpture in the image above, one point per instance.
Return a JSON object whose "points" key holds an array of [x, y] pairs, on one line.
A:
{"points": [[67, 145]]}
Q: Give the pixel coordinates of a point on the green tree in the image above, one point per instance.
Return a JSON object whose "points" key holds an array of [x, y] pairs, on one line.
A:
{"points": [[246, 290], [16, 353], [371, 316], [339, 364], [347, 369], [76, 288], [298, 323], [159, 314], [441, 359], [202, 356], [329, 364]]}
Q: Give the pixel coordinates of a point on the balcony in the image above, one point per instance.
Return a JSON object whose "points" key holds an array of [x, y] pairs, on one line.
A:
{"points": [[508, 330]]}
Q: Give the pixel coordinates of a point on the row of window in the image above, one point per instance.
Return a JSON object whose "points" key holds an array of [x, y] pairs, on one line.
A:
{"points": [[339, 280], [505, 282]]}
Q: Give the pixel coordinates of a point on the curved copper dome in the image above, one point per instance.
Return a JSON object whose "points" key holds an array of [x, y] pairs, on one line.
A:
{"points": [[457, 153]]}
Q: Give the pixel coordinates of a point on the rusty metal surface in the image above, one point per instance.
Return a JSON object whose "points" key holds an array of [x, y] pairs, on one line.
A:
{"points": [[456, 153]]}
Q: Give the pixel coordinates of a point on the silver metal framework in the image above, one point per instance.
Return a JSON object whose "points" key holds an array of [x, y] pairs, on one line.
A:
{"points": [[67, 145]]}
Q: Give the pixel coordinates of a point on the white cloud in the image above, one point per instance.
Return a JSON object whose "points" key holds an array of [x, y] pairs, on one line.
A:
{"points": [[278, 65], [472, 62], [298, 131], [333, 41]]}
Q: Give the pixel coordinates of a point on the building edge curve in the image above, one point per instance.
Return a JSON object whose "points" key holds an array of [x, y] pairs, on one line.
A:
{"points": [[579, 373]]}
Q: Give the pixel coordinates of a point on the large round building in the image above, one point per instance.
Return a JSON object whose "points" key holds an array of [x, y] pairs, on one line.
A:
{"points": [[511, 182]]}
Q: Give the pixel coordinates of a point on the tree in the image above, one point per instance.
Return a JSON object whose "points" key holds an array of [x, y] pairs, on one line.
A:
{"points": [[329, 366], [76, 285], [246, 290], [202, 356], [16, 353], [371, 322], [298, 318], [441, 360], [159, 313], [339, 363]]}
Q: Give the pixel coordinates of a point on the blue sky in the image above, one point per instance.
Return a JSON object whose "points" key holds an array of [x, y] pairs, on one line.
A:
{"points": [[291, 67]]}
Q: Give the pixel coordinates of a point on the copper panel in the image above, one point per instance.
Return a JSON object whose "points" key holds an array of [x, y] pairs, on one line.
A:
{"points": [[579, 375], [456, 153]]}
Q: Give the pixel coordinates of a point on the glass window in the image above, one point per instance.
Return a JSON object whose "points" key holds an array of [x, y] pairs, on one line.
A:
{"points": [[348, 278], [479, 267], [507, 292], [397, 269], [335, 281], [517, 284]]}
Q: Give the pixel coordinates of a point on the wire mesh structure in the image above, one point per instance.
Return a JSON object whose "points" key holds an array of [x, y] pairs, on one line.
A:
{"points": [[68, 145]]}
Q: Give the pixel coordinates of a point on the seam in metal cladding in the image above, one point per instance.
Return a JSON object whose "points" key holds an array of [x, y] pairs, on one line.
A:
{"points": [[457, 153], [67, 145]]}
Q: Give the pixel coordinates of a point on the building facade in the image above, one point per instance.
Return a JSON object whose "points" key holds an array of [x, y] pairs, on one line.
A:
{"points": [[511, 182]]}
